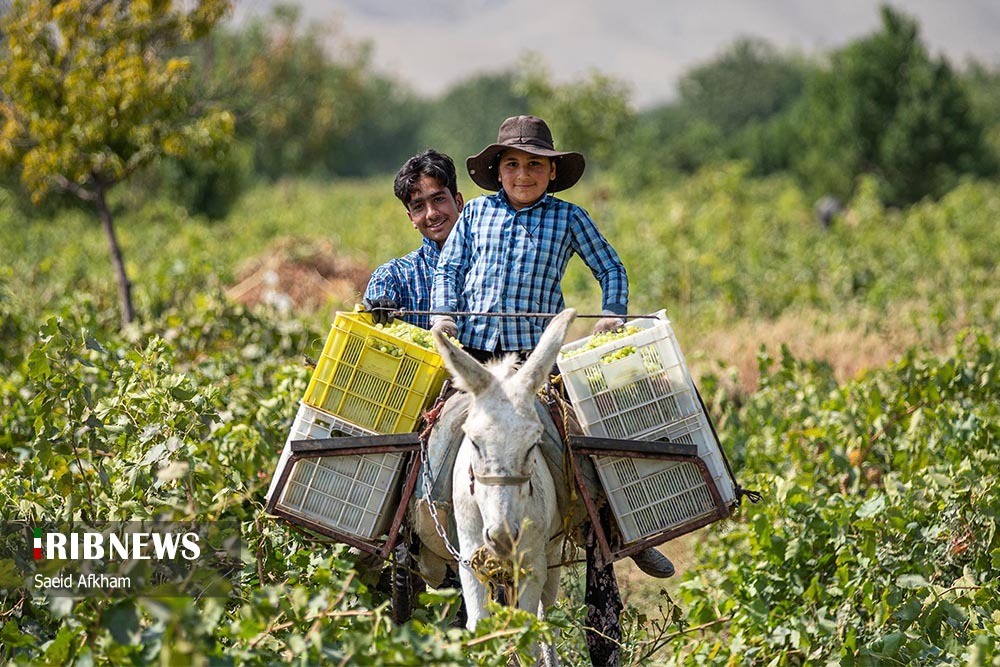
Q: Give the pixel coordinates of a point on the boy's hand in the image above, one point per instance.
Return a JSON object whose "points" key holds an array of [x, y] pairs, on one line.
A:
{"points": [[607, 324], [445, 325], [381, 309]]}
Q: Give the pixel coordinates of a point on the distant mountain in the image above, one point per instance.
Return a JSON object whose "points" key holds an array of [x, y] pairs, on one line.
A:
{"points": [[648, 43]]}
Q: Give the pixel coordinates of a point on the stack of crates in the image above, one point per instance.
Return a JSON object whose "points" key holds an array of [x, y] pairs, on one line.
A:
{"points": [[367, 381], [638, 387]]}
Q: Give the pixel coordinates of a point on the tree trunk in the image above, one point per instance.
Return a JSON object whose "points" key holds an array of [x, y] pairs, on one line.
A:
{"points": [[124, 285]]}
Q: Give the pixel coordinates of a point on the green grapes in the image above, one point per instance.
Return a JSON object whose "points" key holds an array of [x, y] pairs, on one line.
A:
{"points": [[600, 339], [620, 353], [405, 332]]}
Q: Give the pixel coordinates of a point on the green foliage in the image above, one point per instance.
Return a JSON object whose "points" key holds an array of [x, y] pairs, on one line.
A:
{"points": [[590, 116], [89, 97], [466, 118], [887, 108], [202, 188], [749, 82], [983, 87], [877, 543], [389, 131], [721, 247], [183, 416], [734, 106], [291, 100], [297, 102]]}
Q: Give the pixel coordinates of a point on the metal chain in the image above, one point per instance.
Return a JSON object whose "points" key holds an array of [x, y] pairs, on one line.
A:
{"points": [[425, 467]]}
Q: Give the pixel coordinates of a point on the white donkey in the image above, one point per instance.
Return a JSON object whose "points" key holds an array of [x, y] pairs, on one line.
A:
{"points": [[503, 493]]}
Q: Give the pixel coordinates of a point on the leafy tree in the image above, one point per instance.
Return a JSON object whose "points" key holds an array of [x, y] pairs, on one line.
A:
{"points": [[665, 143], [885, 107], [749, 82], [88, 98], [590, 116], [294, 103], [733, 107], [387, 133], [983, 84], [467, 116]]}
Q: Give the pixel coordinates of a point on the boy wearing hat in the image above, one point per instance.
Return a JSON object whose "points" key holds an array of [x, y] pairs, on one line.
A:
{"points": [[508, 252], [428, 187]]}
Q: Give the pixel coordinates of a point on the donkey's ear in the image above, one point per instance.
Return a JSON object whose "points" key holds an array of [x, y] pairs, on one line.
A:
{"points": [[469, 374], [536, 369]]}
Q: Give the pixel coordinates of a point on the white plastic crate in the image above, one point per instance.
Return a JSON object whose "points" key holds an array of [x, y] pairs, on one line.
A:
{"points": [[349, 493], [649, 496], [647, 394]]}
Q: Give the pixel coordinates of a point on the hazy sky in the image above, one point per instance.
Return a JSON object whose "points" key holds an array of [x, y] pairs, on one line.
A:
{"points": [[430, 44]]}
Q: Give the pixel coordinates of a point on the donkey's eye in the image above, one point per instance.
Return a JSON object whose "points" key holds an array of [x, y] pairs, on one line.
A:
{"points": [[475, 446]]}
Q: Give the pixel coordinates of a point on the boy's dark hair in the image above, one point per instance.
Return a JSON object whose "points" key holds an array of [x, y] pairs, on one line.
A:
{"points": [[430, 163]]}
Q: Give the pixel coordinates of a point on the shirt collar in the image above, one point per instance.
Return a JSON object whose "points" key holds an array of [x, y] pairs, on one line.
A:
{"points": [[430, 248], [502, 195]]}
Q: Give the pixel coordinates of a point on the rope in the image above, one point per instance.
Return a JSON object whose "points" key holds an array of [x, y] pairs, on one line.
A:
{"points": [[497, 574], [559, 410]]}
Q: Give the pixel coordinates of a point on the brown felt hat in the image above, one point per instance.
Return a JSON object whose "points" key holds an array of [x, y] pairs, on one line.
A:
{"points": [[531, 135]]}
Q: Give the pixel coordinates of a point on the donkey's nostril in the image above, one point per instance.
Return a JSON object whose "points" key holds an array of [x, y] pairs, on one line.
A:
{"points": [[501, 542]]}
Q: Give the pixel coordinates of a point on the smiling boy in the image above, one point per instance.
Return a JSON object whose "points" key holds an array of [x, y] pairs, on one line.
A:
{"points": [[509, 251], [427, 186]]}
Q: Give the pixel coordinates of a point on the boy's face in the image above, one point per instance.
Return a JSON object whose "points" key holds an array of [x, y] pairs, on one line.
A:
{"points": [[524, 177], [433, 210]]}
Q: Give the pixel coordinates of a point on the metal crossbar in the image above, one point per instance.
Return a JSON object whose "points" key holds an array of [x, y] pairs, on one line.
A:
{"points": [[402, 312]]}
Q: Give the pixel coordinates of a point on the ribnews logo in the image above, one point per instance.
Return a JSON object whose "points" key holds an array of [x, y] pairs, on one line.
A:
{"points": [[138, 546], [146, 558]]}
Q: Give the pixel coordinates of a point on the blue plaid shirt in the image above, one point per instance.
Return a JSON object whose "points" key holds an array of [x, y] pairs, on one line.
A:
{"points": [[407, 281], [498, 260]]}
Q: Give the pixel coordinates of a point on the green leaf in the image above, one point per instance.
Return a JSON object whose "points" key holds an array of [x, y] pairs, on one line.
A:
{"points": [[58, 651], [182, 393], [13, 637], [911, 581], [123, 622], [872, 507]]}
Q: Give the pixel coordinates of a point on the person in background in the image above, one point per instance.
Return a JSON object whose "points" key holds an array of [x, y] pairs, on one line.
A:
{"points": [[428, 187]]}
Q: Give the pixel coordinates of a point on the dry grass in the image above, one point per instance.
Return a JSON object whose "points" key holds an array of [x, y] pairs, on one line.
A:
{"points": [[850, 343]]}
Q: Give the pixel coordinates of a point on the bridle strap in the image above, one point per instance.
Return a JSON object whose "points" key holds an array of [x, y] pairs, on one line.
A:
{"points": [[500, 480]]}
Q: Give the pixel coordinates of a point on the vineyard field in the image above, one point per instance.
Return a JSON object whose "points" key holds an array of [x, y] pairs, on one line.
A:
{"points": [[852, 372]]}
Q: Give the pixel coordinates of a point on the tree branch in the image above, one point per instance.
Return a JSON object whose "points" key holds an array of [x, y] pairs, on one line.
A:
{"points": [[75, 188]]}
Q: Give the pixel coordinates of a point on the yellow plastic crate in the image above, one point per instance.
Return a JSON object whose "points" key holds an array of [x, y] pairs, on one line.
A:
{"points": [[373, 379]]}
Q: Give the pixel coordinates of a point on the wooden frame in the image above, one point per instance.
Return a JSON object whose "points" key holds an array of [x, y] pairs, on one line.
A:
{"points": [[581, 446], [400, 443]]}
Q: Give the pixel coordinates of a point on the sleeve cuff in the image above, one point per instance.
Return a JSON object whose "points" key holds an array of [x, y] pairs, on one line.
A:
{"points": [[615, 309]]}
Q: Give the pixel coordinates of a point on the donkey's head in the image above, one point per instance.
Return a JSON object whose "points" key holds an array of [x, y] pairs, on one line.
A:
{"points": [[503, 432]]}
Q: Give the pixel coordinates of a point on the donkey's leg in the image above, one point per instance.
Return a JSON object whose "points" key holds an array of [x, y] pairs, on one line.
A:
{"points": [[530, 599], [549, 593], [550, 590], [474, 594]]}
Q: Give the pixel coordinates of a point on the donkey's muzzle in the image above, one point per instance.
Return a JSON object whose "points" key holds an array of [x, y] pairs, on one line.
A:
{"points": [[501, 541]]}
